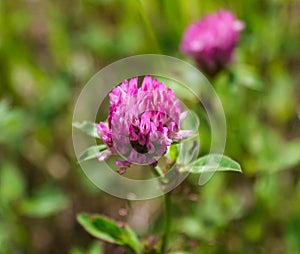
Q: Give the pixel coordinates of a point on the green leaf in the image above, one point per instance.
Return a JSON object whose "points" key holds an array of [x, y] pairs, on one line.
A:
{"points": [[107, 230], [87, 127], [92, 152], [173, 152], [12, 184], [213, 162], [45, 202], [102, 228], [94, 248], [133, 240]]}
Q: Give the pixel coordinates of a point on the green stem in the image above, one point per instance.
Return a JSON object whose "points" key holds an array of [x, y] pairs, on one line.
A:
{"points": [[157, 171], [167, 222]]}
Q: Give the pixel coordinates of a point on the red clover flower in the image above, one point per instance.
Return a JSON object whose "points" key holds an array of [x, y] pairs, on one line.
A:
{"points": [[211, 40], [142, 123]]}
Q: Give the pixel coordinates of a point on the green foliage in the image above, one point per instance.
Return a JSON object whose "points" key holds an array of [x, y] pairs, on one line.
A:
{"points": [[44, 202], [50, 49], [245, 75], [12, 124], [173, 152], [12, 184], [94, 248], [87, 127], [213, 162], [107, 230], [92, 152]]}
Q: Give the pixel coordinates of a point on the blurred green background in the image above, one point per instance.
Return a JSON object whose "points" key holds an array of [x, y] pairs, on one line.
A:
{"points": [[50, 49]]}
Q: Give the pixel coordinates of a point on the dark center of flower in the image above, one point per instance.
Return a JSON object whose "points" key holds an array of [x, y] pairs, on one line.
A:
{"points": [[138, 140]]}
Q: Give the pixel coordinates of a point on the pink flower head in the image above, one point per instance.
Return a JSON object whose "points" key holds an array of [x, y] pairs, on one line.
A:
{"points": [[142, 122], [211, 40]]}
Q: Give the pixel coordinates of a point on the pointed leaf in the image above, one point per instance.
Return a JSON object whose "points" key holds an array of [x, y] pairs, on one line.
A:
{"points": [[92, 152], [107, 230], [102, 228], [213, 162], [87, 127], [133, 240]]}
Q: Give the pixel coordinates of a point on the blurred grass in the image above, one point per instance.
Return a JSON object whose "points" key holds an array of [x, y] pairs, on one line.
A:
{"points": [[50, 49]]}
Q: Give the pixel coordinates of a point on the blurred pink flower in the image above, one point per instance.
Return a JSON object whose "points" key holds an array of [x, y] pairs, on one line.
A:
{"points": [[211, 40], [142, 122]]}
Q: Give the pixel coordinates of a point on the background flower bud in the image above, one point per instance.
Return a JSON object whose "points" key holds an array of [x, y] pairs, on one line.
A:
{"points": [[211, 41]]}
